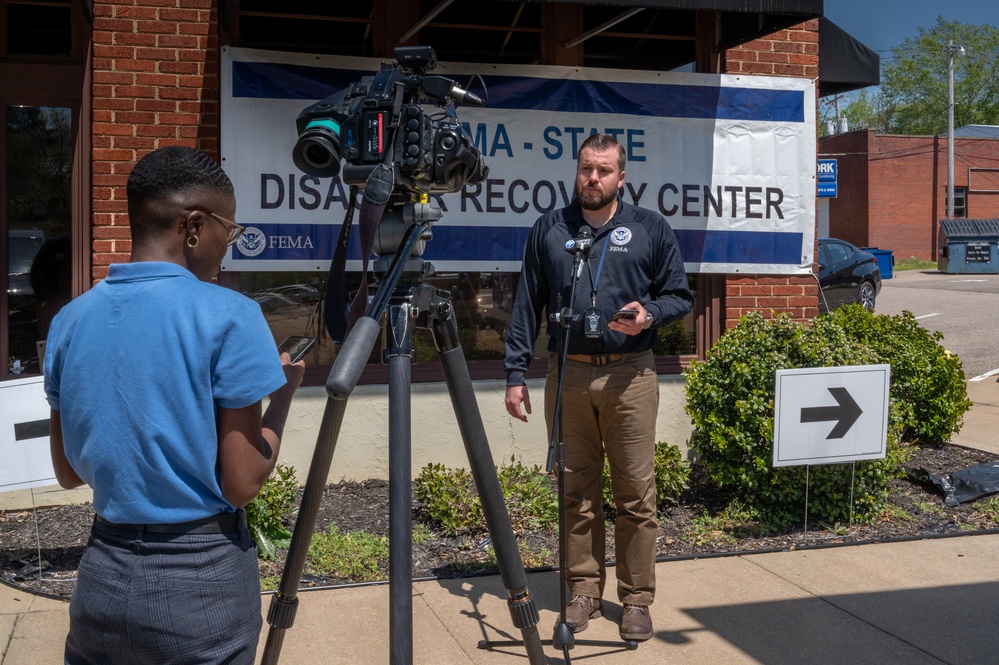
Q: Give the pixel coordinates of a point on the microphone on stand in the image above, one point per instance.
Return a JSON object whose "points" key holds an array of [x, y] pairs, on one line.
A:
{"points": [[581, 243], [580, 247]]}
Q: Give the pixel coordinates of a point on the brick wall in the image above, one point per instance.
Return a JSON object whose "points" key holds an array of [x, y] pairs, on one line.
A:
{"points": [[792, 52], [155, 83], [849, 211], [893, 188], [771, 295]]}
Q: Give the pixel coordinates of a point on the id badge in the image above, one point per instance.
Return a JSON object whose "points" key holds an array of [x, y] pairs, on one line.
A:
{"points": [[593, 323]]}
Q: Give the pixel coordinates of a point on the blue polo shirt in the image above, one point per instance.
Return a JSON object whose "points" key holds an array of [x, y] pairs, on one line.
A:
{"points": [[137, 368]]}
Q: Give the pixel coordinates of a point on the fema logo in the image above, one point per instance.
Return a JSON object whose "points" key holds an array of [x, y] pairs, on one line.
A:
{"points": [[252, 242], [621, 236]]}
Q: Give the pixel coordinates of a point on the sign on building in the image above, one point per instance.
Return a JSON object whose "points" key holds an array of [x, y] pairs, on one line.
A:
{"points": [[728, 160], [827, 176]]}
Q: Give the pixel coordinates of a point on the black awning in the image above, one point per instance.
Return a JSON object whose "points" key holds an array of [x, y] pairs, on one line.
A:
{"points": [[807, 8], [740, 21], [844, 63]]}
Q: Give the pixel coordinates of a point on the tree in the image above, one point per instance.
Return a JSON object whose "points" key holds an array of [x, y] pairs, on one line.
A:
{"points": [[912, 98], [862, 110]]}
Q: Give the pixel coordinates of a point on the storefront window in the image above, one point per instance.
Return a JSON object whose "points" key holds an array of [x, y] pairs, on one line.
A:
{"points": [[39, 218], [293, 302]]}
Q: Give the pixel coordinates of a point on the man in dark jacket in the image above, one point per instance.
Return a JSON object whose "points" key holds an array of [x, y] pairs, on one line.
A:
{"points": [[631, 282]]}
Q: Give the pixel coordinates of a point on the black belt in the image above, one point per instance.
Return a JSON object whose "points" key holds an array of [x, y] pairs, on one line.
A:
{"points": [[599, 359], [221, 523]]}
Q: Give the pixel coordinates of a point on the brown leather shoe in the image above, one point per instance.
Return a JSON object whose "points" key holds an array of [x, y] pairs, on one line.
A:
{"points": [[636, 624], [579, 611]]}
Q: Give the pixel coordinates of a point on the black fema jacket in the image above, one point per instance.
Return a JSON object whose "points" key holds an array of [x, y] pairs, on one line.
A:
{"points": [[633, 257]]}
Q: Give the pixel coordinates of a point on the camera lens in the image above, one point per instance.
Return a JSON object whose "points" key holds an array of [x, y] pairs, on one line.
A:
{"points": [[317, 151]]}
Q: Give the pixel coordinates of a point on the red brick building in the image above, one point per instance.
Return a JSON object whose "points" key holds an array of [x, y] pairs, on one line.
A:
{"points": [[892, 190], [128, 76]]}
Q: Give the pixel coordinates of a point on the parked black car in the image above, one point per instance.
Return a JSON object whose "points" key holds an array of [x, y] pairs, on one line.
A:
{"points": [[847, 274]]}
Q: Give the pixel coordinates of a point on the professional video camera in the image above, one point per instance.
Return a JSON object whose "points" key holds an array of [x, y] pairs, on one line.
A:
{"points": [[380, 120]]}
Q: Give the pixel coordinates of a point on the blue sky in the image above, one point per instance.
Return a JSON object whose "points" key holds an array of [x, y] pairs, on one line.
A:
{"points": [[883, 24]]}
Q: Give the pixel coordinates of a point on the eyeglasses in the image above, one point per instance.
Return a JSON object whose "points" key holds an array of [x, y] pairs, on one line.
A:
{"points": [[232, 229]]}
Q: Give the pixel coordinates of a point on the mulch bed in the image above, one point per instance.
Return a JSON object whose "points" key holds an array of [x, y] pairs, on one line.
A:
{"points": [[57, 536]]}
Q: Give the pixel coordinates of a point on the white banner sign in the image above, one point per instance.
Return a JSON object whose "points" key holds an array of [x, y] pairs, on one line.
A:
{"points": [[24, 435], [728, 160]]}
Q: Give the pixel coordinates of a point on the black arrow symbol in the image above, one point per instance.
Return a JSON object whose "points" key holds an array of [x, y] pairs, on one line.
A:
{"points": [[35, 429], [846, 412]]}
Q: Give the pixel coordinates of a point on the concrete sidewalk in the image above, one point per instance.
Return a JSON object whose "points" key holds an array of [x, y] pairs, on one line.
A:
{"points": [[918, 602], [924, 602]]}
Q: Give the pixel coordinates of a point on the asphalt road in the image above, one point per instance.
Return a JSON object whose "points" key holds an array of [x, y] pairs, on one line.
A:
{"points": [[963, 307]]}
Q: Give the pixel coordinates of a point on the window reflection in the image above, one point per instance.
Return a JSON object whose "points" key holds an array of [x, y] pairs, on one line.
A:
{"points": [[292, 304], [39, 213]]}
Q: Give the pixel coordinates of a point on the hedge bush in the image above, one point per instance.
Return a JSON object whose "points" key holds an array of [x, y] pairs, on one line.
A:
{"points": [[730, 398], [926, 379], [449, 501]]}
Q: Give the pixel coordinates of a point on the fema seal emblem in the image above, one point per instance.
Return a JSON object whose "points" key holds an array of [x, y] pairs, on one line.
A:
{"points": [[621, 236], [252, 242]]}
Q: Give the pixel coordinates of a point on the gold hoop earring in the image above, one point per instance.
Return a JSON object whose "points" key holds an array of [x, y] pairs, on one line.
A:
{"points": [[192, 241]]}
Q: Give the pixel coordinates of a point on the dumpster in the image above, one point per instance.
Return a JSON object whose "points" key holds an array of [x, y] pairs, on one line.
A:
{"points": [[886, 261], [969, 246]]}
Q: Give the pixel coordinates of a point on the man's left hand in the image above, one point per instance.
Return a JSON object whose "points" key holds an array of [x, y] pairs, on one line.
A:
{"points": [[630, 326]]}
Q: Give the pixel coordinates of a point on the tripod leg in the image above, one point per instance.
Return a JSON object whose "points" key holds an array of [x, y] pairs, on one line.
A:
{"points": [[284, 604], [473, 434], [343, 377], [399, 352]]}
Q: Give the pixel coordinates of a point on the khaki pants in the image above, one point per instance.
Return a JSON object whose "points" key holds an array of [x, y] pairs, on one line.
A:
{"points": [[609, 410]]}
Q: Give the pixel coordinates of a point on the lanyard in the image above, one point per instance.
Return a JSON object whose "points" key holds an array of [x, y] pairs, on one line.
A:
{"points": [[595, 279]]}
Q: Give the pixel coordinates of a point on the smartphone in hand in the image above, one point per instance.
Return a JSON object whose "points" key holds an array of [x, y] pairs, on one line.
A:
{"points": [[296, 347], [626, 314]]}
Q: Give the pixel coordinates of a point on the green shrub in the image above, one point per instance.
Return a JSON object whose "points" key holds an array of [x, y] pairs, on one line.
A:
{"points": [[926, 379], [530, 500], [272, 503], [672, 473], [733, 522], [730, 398], [448, 499], [356, 555]]}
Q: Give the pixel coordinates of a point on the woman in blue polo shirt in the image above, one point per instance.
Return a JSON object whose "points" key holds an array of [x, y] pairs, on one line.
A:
{"points": [[156, 379]]}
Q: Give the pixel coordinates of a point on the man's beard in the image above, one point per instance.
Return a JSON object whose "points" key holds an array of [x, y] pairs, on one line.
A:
{"points": [[593, 199]]}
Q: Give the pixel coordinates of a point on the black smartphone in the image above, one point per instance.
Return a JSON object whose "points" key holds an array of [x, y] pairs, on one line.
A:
{"points": [[296, 347], [626, 314]]}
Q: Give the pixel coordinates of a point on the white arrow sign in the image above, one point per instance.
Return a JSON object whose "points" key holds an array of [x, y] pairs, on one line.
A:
{"points": [[828, 415]]}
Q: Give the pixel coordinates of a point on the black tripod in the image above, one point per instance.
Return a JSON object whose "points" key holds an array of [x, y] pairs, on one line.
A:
{"points": [[406, 300], [563, 638]]}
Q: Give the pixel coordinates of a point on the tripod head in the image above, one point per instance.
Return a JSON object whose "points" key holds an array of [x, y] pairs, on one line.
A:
{"points": [[399, 216]]}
